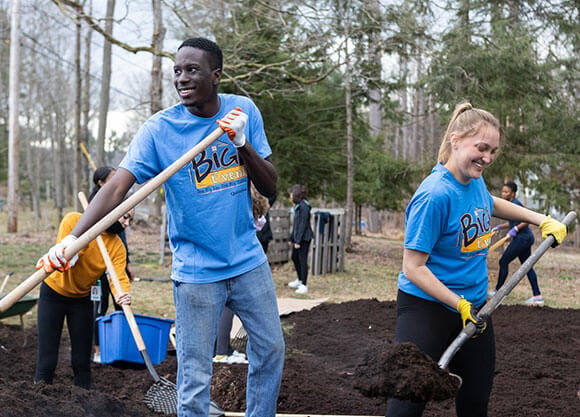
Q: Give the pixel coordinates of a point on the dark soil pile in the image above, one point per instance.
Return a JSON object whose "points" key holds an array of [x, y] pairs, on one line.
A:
{"points": [[333, 352], [404, 371]]}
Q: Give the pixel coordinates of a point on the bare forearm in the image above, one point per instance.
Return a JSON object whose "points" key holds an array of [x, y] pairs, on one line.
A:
{"points": [[261, 171], [415, 269], [506, 210]]}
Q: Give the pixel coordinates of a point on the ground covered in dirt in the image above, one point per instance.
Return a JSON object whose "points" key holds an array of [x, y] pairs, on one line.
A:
{"points": [[331, 352]]}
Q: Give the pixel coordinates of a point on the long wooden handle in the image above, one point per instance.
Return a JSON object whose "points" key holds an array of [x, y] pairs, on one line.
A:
{"points": [[493, 303], [88, 156], [114, 278], [499, 243], [149, 187]]}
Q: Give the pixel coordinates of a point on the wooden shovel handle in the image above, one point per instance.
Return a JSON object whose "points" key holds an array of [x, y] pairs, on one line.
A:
{"points": [[493, 303], [149, 187], [114, 278]]}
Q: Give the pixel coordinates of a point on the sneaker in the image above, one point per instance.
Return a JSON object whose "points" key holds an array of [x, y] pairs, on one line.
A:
{"points": [[302, 289], [97, 358], [237, 359], [220, 359], [536, 300], [238, 354], [295, 284], [491, 293]]}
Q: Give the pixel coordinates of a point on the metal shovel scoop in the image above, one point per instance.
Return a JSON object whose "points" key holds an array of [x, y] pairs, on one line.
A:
{"points": [[493, 303]]}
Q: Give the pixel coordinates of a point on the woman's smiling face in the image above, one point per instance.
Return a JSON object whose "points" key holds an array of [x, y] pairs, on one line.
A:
{"points": [[471, 154]]}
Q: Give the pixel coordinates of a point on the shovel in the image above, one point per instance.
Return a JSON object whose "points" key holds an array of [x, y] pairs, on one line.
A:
{"points": [[83, 240], [493, 303], [162, 395]]}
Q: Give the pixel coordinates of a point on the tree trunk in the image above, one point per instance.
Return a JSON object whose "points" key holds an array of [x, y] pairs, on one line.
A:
{"points": [[76, 180], [105, 85], [14, 132], [156, 90], [404, 109], [349, 150], [375, 56], [86, 108], [32, 168]]}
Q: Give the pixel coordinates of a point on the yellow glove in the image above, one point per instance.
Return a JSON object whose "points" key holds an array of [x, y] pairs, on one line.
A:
{"points": [[469, 314], [549, 226]]}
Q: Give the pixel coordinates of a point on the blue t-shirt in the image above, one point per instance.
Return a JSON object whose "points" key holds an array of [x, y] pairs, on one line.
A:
{"points": [[209, 207], [451, 222]]}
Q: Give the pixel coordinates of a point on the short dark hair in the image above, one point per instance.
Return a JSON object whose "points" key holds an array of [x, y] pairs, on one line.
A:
{"points": [[512, 186], [209, 46], [298, 192]]}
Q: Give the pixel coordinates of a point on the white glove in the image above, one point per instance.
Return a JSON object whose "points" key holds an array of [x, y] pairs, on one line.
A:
{"points": [[234, 124], [55, 259]]}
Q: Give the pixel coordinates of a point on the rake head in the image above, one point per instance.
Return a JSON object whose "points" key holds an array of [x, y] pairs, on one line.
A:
{"points": [[161, 397]]}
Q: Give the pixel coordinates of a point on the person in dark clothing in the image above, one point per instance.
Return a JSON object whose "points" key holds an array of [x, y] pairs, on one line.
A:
{"points": [[520, 247], [300, 237], [265, 235]]}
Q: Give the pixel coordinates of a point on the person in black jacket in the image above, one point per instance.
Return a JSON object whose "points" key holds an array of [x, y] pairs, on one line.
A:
{"points": [[265, 234], [300, 237]]}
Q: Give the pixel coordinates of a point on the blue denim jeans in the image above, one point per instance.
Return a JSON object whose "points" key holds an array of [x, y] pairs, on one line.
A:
{"points": [[251, 296]]}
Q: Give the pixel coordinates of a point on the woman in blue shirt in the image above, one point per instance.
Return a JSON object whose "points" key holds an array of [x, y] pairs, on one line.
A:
{"points": [[444, 278]]}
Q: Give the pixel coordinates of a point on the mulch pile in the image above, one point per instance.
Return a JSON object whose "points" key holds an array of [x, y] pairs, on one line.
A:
{"points": [[337, 360]]}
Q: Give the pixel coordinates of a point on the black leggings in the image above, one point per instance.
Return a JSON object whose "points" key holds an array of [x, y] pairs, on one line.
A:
{"points": [[300, 259], [432, 327], [53, 308]]}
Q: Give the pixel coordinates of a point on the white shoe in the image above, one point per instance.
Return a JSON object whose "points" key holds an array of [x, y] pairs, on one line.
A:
{"points": [[536, 300], [302, 289], [295, 284], [97, 358], [238, 354], [232, 359]]}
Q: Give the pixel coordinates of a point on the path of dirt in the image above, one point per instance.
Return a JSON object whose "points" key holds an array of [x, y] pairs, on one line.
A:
{"points": [[538, 368]]}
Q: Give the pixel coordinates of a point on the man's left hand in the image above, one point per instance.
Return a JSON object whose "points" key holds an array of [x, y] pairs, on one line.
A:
{"points": [[234, 124]]}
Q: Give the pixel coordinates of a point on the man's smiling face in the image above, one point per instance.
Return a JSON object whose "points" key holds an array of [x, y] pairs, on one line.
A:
{"points": [[196, 81]]}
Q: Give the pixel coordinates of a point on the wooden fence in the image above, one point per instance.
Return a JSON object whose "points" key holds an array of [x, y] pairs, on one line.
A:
{"points": [[327, 248], [278, 249]]}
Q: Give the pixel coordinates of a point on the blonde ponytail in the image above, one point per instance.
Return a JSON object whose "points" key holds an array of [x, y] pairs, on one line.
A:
{"points": [[466, 120]]}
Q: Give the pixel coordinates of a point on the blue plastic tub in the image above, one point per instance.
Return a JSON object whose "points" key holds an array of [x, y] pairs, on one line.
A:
{"points": [[117, 343]]}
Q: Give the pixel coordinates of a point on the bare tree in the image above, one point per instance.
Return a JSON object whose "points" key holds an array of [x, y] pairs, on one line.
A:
{"points": [[105, 84], [77, 113], [86, 96], [14, 132], [156, 90]]}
